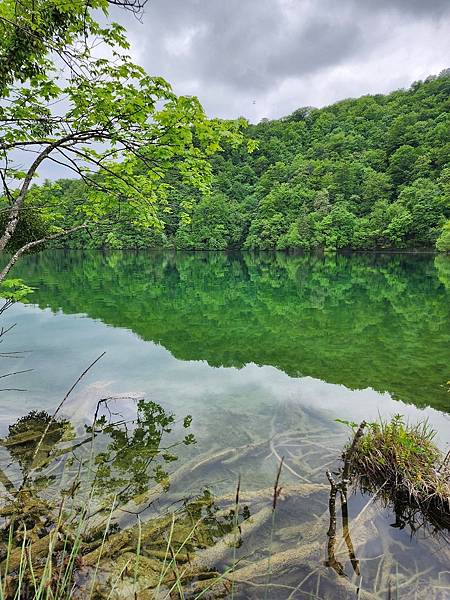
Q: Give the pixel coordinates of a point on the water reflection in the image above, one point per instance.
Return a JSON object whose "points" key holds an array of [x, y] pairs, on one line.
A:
{"points": [[363, 321], [116, 456], [137, 450]]}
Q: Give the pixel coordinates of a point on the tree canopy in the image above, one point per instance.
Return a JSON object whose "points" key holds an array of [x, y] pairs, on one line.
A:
{"points": [[70, 94], [364, 173]]}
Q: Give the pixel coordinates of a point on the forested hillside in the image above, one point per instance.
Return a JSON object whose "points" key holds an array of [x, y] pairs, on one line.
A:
{"points": [[372, 172]]}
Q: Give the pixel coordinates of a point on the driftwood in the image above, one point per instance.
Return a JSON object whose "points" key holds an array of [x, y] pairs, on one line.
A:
{"points": [[142, 502]]}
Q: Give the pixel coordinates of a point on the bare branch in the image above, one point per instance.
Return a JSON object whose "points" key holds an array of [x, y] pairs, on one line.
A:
{"points": [[35, 243], [135, 6], [14, 213]]}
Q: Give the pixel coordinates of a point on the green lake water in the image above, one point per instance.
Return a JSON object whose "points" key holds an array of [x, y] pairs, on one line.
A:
{"points": [[265, 352]]}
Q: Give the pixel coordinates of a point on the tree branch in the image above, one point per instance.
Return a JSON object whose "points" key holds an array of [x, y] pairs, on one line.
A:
{"points": [[13, 217], [35, 243]]}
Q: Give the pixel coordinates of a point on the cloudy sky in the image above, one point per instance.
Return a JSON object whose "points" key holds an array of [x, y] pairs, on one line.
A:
{"points": [[265, 58]]}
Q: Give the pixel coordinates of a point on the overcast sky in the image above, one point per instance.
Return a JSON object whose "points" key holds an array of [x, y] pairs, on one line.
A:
{"points": [[265, 58]]}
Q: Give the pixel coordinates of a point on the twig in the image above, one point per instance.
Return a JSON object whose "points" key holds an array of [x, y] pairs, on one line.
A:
{"points": [[35, 243], [53, 417]]}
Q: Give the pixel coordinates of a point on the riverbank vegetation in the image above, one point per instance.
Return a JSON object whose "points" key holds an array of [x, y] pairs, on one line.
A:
{"points": [[366, 173]]}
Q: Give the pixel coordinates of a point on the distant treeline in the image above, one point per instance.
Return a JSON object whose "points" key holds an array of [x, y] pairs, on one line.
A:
{"points": [[372, 172]]}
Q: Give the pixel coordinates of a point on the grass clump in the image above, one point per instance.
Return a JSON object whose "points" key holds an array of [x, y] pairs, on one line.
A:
{"points": [[401, 462]]}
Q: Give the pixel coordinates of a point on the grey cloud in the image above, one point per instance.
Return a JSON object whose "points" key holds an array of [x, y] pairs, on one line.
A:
{"points": [[319, 44], [249, 43], [265, 58], [259, 58], [233, 52], [417, 7]]}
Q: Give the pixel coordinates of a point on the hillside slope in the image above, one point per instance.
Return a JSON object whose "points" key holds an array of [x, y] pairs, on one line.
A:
{"points": [[372, 172]]}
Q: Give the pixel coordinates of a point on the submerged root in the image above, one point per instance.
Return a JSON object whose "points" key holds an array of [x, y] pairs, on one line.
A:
{"points": [[266, 494], [128, 537], [198, 567], [288, 566]]}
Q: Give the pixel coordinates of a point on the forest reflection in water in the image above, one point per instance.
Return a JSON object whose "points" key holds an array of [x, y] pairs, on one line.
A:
{"points": [[254, 347], [379, 321]]}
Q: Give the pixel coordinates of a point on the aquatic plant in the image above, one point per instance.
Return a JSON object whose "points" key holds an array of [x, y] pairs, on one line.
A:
{"points": [[400, 462]]}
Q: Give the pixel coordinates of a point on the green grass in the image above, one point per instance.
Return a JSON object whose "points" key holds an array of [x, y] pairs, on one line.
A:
{"points": [[402, 462]]}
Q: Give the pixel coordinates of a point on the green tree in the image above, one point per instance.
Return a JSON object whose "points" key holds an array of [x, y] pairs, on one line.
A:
{"points": [[400, 226], [375, 186], [424, 202], [216, 224], [401, 164], [336, 229], [383, 158], [116, 127], [30, 29], [443, 241], [301, 234]]}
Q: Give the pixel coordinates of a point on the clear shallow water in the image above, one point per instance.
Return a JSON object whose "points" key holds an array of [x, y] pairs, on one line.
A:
{"points": [[265, 350]]}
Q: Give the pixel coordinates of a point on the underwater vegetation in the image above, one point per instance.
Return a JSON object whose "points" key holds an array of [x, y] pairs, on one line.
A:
{"points": [[93, 512]]}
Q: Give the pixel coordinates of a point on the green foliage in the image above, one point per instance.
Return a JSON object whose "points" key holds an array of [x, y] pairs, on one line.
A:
{"points": [[123, 132], [401, 165], [351, 424], [423, 201], [15, 290], [336, 229], [399, 462], [404, 457], [368, 173], [409, 445], [215, 225], [34, 224], [443, 241]]}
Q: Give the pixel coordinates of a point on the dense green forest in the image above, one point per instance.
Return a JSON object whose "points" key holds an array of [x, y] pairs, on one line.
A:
{"points": [[366, 173]]}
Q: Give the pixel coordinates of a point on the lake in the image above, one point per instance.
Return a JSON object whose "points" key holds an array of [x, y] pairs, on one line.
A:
{"points": [[265, 352]]}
